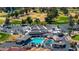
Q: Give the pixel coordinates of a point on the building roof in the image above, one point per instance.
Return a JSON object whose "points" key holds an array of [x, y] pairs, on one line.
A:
{"points": [[23, 38]]}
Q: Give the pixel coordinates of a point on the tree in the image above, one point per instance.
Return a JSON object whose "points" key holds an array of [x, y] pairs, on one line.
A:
{"points": [[78, 21], [71, 21], [52, 12], [37, 21], [16, 14], [29, 20], [42, 9], [23, 21], [27, 9], [64, 10], [43, 23], [21, 12], [7, 21], [76, 16], [48, 19], [73, 45], [71, 24], [12, 14]]}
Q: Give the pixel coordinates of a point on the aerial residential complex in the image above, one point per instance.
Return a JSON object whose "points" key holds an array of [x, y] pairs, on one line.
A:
{"points": [[39, 29]]}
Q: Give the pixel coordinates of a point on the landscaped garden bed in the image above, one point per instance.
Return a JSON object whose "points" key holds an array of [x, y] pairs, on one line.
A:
{"points": [[75, 37]]}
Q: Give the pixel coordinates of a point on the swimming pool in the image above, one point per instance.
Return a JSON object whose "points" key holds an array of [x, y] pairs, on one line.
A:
{"points": [[37, 40], [50, 41]]}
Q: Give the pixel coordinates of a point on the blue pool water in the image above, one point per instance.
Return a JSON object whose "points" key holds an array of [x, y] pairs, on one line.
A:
{"points": [[37, 40]]}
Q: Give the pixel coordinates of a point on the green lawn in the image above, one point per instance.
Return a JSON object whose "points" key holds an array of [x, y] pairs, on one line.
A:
{"points": [[16, 22], [75, 37], [4, 37], [2, 20], [61, 20]]}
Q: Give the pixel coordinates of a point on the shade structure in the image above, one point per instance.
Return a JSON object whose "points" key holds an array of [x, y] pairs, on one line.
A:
{"points": [[33, 33], [36, 34]]}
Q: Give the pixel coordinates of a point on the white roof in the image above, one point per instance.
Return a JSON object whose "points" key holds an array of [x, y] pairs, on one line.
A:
{"points": [[23, 38], [56, 32]]}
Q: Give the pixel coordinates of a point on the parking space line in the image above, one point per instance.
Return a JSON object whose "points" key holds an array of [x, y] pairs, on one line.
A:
{"points": [[38, 27], [44, 27]]}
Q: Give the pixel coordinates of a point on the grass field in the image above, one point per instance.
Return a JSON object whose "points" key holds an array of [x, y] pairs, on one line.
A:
{"points": [[61, 20], [4, 37], [33, 15], [75, 37]]}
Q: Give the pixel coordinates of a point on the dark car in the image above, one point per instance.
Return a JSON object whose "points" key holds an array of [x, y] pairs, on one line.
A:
{"points": [[59, 45], [60, 34], [72, 49]]}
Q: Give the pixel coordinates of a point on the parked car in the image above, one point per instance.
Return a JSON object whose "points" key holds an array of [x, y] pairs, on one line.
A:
{"points": [[59, 45], [71, 49]]}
